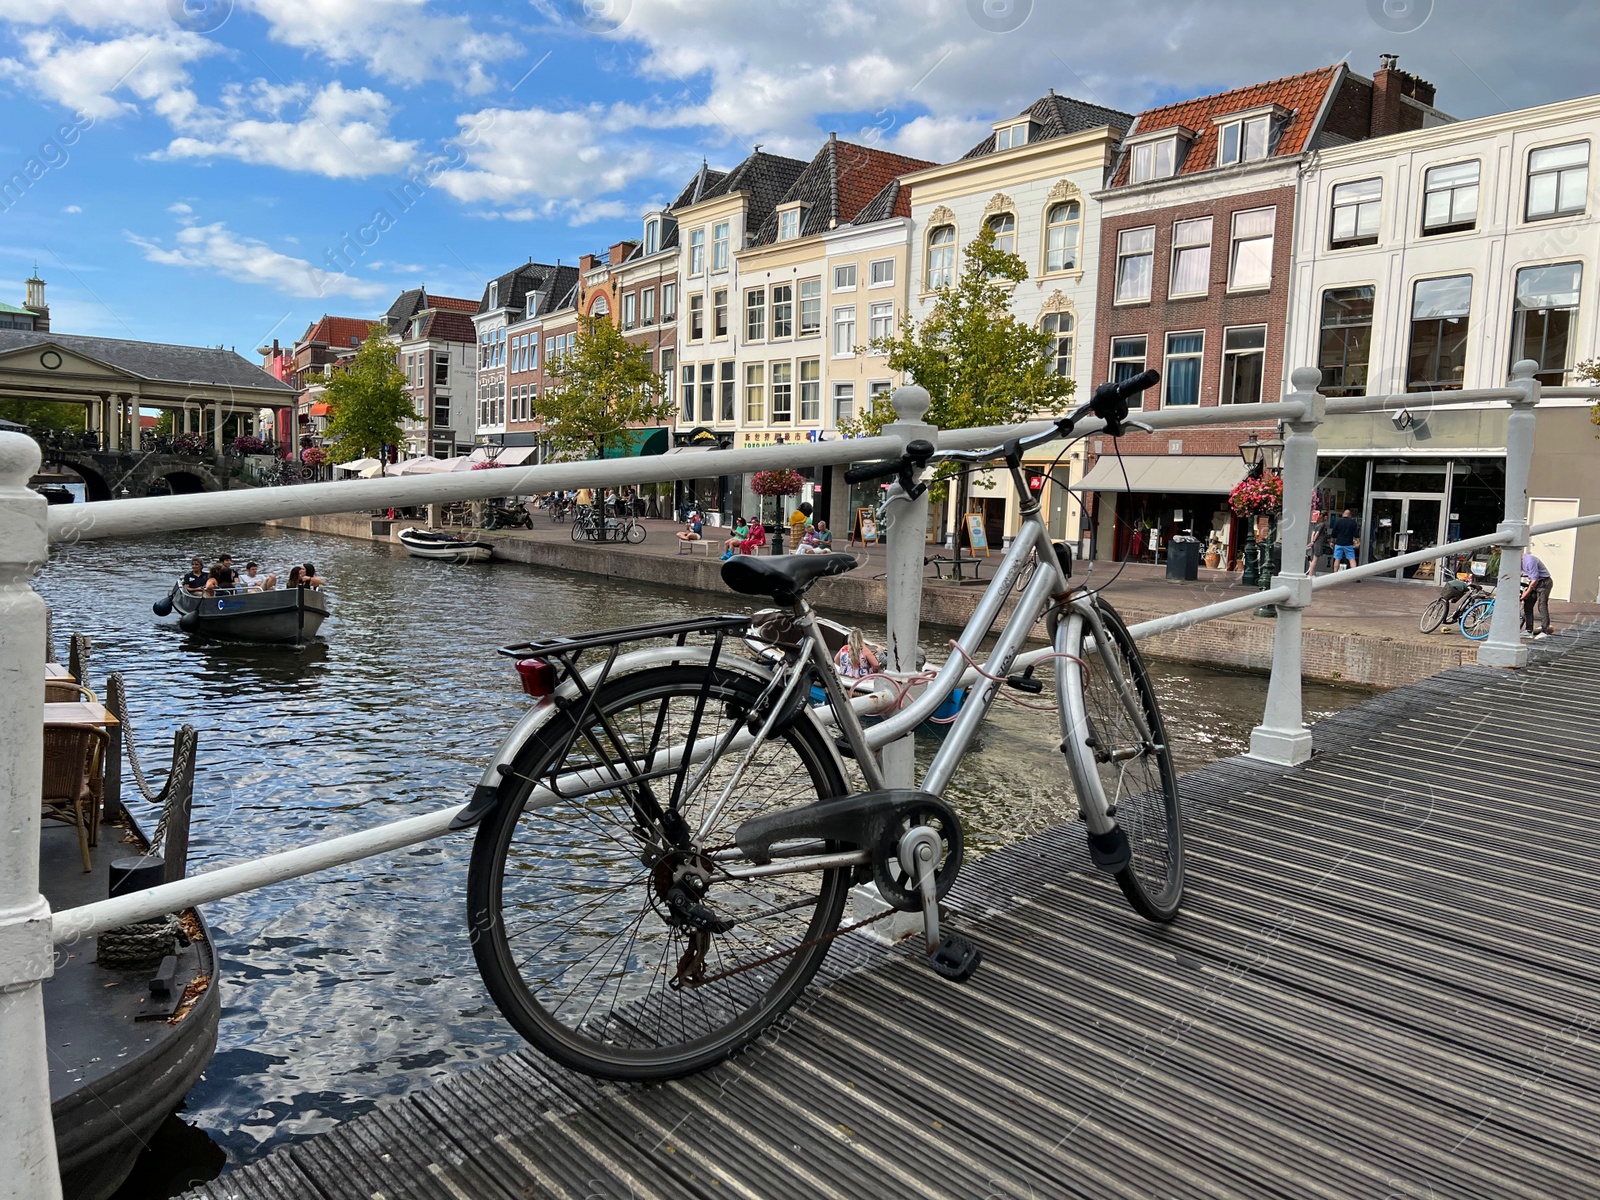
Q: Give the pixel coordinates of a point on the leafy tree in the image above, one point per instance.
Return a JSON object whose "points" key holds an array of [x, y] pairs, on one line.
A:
{"points": [[1589, 374], [978, 362], [602, 387], [367, 401], [44, 414]]}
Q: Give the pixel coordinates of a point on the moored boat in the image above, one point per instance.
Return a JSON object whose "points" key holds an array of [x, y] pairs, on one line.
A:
{"points": [[433, 543], [290, 615]]}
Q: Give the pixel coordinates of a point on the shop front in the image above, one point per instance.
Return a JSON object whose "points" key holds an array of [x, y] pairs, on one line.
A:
{"points": [[698, 485], [1142, 502]]}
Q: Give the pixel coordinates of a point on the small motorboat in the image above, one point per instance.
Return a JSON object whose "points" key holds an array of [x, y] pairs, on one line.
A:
{"points": [[434, 543], [291, 615]]}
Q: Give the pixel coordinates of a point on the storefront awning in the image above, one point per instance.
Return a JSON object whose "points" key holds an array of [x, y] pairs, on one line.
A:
{"points": [[697, 448], [515, 456], [638, 443], [1184, 474]]}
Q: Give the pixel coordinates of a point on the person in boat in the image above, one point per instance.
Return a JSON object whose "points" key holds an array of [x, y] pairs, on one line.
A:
{"points": [[741, 531], [195, 581], [312, 579], [856, 659], [223, 579], [694, 530], [252, 580], [297, 578]]}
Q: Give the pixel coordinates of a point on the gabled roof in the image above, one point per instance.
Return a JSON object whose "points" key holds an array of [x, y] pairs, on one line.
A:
{"points": [[763, 178], [442, 325], [409, 303], [699, 187], [1057, 116], [893, 201], [155, 361], [837, 185], [516, 283], [337, 331], [1302, 95]]}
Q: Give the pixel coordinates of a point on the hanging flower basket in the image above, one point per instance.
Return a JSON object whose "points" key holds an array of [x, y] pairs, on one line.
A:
{"points": [[1257, 496], [248, 444], [313, 456], [783, 482]]}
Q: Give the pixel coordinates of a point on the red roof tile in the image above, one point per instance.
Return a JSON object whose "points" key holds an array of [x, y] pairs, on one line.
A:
{"points": [[452, 303], [337, 331], [864, 172]]}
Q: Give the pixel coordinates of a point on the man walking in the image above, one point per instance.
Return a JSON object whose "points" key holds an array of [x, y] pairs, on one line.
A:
{"points": [[1346, 533], [1535, 596]]}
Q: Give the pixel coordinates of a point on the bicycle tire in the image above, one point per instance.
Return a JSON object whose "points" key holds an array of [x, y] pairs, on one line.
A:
{"points": [[1475, 619], [636, 533], [578, 531], [637, 1026], [1147, 811], [1433, 616]]}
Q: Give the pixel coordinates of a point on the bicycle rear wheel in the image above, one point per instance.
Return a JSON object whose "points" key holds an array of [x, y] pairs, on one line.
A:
{"points": [[1475, 619], [1116, 745], [571, 898], [636, 533], [1433, 616]]}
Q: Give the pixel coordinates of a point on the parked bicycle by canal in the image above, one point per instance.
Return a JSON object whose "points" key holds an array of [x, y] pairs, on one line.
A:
{"points": [[1454, 600], [667, 838], [590, 525]]}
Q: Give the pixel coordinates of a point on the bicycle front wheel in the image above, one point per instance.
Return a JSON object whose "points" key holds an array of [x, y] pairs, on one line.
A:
{"points": [[1433, 616], [636, 533], [1475, 619], [576, 899], [1116, 745]]}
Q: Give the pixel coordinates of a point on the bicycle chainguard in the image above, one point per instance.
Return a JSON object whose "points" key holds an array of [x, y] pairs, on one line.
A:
{"points": [[951, 955]]}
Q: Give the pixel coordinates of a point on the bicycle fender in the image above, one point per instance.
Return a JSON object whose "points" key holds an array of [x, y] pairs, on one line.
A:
{"points": [[494, 785]]}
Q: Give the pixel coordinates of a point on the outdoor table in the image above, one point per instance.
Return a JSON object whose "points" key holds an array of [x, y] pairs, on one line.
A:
{"points": [[84, 712], [57, 671]]}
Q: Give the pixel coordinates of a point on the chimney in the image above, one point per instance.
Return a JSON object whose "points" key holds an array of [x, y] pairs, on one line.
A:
{"points": [[1389, 84]]}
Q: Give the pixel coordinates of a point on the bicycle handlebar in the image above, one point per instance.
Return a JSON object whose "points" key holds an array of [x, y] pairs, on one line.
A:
{"points": [[918, 452]]}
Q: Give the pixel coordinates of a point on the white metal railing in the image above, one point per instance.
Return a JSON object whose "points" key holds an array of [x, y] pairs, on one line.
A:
{"points": [[29, 932]]}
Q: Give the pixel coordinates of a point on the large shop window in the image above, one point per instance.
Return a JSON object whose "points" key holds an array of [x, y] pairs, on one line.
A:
{"points": [[1439, 319], [1185, 354], [1244, 354], [1545, 318], [1346, 341]]}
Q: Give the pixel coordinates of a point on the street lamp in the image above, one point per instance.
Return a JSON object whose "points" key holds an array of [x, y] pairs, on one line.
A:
{"points": [[1262, 561]]}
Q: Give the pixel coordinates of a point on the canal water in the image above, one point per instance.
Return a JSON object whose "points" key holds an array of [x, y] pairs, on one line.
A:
{"points": [[358, 983]]}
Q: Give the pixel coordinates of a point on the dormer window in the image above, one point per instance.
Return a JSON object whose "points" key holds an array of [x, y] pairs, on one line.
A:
{"points": [[789, 220], [1155, 159], [1007, 137], [494, 294], [533, 299], [652, 236], [1244, 137]]}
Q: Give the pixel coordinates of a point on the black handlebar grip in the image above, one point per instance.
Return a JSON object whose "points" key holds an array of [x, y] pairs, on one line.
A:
{"points": [[1128, 388], [875, 470]]}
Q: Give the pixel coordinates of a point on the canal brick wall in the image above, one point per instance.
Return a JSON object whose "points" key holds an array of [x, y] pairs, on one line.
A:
{"points": [[1354, 638]]}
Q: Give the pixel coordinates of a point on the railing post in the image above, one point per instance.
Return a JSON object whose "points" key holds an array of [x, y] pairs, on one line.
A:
{"points": [[1503, 647], [28, 1166], [908, 535], [1282, 736]]}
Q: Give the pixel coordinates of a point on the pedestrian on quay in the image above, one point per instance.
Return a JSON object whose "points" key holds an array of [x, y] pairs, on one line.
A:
{"points": [[1319, 544], [1536, 585], [1345, 530]]}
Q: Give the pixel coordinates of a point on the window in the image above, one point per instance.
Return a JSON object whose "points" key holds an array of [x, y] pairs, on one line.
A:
{"points": [[600, 308], [810, 306], [783, 310], [1060, 326], [1355, 213], [708, 392], [1155, 160], [1244, 356], [1558, 181], [550, 351], [882, 317], [755, 394], [494, 294], [647, 306], [1243, 141], [533, 352], [941, 257], [697, 318], [811, 390], [652, 236], [1127, 358], [630, 310], [719, 246], [727, 370], [1135, 254], [844, 402], [844, 278], [669, 301], [441, 368], [688, 392], [668, 359], [719, 313], [881, 273], [441, 415], [1185, 353], [1450, 198], [1545, 317], [1439, 309], [1191, 258], [1250, 262], [844, 330], [1005, 232], [1061, 227], [1346, 341], [1011, 136], [697, 252], [782, 393], [755, 315], [788, 224]]}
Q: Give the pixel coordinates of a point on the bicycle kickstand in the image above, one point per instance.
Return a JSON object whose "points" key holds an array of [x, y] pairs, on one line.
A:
{"points": [[950, 954]]}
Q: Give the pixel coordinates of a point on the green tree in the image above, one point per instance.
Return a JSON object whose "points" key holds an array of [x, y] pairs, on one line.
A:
{"points": [[44, 414], [367, 401], [978, 362], [602, 387], [1589, 375]]}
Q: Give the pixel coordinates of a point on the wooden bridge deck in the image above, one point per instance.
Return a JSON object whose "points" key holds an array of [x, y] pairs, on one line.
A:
{"points": [[1384, 984]]}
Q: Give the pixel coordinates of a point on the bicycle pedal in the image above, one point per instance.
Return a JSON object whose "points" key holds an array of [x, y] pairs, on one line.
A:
{"points": [[955, 957]]}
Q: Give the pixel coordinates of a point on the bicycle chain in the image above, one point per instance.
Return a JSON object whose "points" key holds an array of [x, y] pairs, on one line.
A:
{"points": [[697, 980]]}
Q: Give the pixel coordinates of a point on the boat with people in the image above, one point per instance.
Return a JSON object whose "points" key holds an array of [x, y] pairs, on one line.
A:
{"points": [[435, 543], [288, 615]]}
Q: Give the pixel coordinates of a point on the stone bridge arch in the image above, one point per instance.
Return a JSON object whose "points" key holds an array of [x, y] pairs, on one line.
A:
{"points": [[109, 475]]}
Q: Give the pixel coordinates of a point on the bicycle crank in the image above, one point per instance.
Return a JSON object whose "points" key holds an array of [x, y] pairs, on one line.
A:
{"points": [[949, 954]]}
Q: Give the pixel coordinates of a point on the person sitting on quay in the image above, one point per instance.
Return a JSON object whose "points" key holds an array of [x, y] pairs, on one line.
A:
{"points": [[818, 540], [252, 580], [195, 581], [741, 532], [799, 520], [694, 530]]}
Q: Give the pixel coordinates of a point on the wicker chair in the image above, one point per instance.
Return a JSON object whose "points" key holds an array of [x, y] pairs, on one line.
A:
{"points": [[74, 757], [64, 691]]}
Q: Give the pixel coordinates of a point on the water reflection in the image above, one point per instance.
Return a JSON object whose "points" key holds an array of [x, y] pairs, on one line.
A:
{"points": [[358, 983]]}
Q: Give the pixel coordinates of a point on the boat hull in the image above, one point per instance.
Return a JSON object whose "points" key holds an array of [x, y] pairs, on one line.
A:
{"points": [[422, 543], [292, 615]]}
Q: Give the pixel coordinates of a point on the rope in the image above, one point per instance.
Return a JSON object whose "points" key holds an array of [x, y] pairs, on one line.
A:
{"points": [[119, 698], [139, 944]]}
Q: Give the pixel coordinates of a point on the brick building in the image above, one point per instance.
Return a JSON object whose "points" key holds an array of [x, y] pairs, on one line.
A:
{"points": [[1196, 238]]}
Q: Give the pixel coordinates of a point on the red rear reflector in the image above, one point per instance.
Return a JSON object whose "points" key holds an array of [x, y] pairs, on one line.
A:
{"points": [[538, 677]]}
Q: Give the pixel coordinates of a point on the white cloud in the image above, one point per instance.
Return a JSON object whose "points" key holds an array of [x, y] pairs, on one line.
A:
{"points": [[72, 208], [342, 133], [179, 208], [216, 249], [82, 75]]}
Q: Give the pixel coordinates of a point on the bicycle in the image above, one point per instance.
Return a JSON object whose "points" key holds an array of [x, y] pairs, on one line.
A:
{"points": [[1447, 608], [589, 526], [1475, 618], [560, 508], [666, 840]]}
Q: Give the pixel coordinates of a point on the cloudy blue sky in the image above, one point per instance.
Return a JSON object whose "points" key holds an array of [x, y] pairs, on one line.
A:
{"points": [[224, 171]]}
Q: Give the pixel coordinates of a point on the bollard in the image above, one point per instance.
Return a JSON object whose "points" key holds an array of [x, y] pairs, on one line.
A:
{"points": [[1282, 736], [1503, 647], [28, 1168]]}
